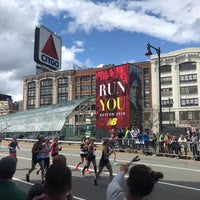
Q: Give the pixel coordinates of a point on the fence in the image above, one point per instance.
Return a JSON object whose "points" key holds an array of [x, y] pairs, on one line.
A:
{"points": [[185, 150]]}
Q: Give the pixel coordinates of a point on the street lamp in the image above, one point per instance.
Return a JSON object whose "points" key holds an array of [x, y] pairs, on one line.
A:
{"points": [[170, 105], [149, 53]]}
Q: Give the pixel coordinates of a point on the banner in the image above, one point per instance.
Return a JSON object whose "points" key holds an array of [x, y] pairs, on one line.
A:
{"points": [[112, 98]]}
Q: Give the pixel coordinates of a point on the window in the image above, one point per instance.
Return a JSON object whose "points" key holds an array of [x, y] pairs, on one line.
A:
{"points": [[86, 88], [46, 101], [93, 78], [188, 78], [31, 93], [167, 103], [146, 71], [146, 93], [166, 92], [146, 104], [31, 89], [63, 81], [189, 115], [85, 78], [166, 80], [62, 99], [47, 82], [189, 102], [189, 90], [77, 88], [62, 89], [187, 66], [165, 68], [46, 92], [31, 85], [77, 79], [146, 82]]}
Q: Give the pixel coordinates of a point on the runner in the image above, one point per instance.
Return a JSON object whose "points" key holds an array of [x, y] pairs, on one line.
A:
{"points": [[37, 151], [104, 161], [112, 148], [45, 155], [55, 148], [83, 153], [12, 147], [91, 157]]}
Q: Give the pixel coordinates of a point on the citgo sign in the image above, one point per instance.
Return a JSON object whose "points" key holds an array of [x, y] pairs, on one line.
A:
{"points": [[47, 49]]}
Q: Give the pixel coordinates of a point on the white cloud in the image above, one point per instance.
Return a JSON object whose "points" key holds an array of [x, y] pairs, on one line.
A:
{"points": [[172, 20]]}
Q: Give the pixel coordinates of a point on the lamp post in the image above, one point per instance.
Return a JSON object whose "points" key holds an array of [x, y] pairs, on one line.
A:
{"points": [[149, 53], [170, 105]]}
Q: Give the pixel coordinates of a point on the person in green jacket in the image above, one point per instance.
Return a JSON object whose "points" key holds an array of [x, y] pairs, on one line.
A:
{"points": [[8, 189]]}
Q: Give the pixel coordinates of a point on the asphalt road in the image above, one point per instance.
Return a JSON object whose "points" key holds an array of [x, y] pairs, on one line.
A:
{"points": [[181, 177]]}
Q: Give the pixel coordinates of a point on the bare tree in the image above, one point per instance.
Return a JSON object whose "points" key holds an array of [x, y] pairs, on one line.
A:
{"points": [[150, 118]]}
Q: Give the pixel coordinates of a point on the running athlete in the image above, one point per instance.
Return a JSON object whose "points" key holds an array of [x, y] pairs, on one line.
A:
{"points": [[104, 161], [91, 157], [37, 151], [45, 155], [83, 153], [112, 144], [12, 147], [55, 148], [112, 148]]}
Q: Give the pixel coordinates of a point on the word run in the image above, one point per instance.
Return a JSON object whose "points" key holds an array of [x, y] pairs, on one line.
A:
{"points": [[111, 88]]}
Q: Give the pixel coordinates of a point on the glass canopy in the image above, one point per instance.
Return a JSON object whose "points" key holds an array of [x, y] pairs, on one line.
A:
{"points": [[48, 118]]}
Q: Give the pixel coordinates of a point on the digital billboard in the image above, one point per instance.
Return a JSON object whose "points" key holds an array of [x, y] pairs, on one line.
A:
{"points": [[136, 95], [47, 50], [112, 98]]}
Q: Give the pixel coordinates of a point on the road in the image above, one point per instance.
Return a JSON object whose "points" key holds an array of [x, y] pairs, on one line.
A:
{"points": [[181, 177]]}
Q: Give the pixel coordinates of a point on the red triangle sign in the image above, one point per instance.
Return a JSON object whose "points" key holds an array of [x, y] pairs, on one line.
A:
{"points": [[50, 48]]}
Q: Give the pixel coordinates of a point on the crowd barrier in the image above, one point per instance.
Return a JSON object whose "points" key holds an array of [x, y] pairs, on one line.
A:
{"points": [[186, 150]]}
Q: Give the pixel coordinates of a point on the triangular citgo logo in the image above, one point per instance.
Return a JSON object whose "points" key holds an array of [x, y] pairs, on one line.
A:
{"points": [[50, 48]]}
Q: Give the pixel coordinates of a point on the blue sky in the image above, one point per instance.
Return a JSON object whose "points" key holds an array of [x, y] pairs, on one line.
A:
{"points": [[93, 32]]}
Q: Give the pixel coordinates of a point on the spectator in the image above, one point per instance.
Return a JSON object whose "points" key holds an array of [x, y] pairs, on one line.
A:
{"points": [[35, 190], [134, 134], [168, 143], [58, 183], [153, 139], [161, 143], [183, 143], [145, 142], [119, 138], [60, 158], [127, 137], [194, 141], [1, 138], [8, 189], [140, 183], [176, 146]]}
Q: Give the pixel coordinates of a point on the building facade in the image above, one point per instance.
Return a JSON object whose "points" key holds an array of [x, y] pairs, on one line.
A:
{"points": [[56, 87], [180, 88]]}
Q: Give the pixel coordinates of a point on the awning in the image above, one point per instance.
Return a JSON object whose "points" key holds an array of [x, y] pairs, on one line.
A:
{"points": [[48, 118]]}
